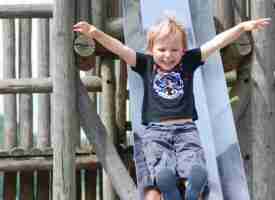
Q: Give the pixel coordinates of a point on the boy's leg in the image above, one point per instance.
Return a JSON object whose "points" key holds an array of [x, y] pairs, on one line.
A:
{"points": [[197, 182], [161, 161], [190, 160], [166, 181]]}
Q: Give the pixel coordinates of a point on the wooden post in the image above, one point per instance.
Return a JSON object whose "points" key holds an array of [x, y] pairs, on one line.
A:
{"points": [[90, 178], [82, 14], [65, 106], [242, 89], [108, 115], [10, 122], [262, 104], [25, 104], [223, 10], [121, 98], [98, 15], [43, 134]]}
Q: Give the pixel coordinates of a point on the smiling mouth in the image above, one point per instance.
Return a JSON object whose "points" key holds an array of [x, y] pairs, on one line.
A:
{"points": [[170, 63]]}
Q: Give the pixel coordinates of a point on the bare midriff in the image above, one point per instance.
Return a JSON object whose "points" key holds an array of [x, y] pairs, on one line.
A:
{"points": [[177, 121]]}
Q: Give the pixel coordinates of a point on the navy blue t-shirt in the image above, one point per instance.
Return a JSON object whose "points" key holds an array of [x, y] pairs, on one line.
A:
{"points": [[168, 95]]}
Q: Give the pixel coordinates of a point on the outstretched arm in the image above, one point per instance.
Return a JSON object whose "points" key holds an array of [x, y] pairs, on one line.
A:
{"points": [[223, 39], [125, 53]]}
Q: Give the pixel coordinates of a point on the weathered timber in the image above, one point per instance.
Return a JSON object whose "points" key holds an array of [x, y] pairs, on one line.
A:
{"points": [[25, 71], [242, 89], [262, 108], [90, 187], [34, 152], [43, 135], [114, 27], [65, 111], [26, 10], [42, 163], [10, 112], [25, 104], [108, 116], [82, 14], [10, 127], [105, 150], [121, 98], [42, 85]]}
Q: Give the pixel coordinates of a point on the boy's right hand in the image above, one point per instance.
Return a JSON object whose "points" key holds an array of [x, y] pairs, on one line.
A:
{"points": [[84, 28]]}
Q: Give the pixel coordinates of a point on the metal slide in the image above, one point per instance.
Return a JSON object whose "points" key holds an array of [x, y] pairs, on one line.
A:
{"points": [[216, 125]]}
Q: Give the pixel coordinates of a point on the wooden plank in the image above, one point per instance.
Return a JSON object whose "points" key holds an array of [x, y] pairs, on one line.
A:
{"points": [[29, 10], [10, 112], [40, 163], [82, 14], [42, 85], [65, 111], [43, 135], [106, 152], [108, 115], [10, 125], [25, 105], [260, 111], [121, 98]]}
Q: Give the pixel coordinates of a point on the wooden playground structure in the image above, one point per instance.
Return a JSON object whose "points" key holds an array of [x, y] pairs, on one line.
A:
{"points": [[58, 165]]}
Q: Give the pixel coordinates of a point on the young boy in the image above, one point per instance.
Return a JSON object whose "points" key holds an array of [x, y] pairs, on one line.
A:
{"points": [[171, 144]]}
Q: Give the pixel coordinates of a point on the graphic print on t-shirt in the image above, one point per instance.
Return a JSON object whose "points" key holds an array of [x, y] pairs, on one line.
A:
{"points": [[168, 85]]}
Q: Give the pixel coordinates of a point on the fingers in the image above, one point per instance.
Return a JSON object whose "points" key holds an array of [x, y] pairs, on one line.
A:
{"points": [[263, 22], [81, 27], [258, 24]]}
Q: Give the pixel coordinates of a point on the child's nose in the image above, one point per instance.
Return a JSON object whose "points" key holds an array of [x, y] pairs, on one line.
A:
{"points": [[167, 53]]}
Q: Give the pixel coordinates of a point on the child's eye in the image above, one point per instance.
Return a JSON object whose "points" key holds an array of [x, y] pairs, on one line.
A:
{"points": [[161, 50], [175, 50]]}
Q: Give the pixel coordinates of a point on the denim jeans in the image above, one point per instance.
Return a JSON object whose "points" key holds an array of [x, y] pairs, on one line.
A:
{"points": [[176, 147]]}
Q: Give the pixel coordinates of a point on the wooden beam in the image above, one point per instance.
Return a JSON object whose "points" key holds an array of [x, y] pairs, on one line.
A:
{"points": [[10, 112], [42, 85], [105, 150], [25, 105], [114, 27], [26, 10], [65, 113], [41, 163], [108, 116], [43, 113]]}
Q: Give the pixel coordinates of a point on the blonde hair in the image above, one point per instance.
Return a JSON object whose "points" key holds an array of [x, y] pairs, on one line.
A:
{"points": [[168, 25]]}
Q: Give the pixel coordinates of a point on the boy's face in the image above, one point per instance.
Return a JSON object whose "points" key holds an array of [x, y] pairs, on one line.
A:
{"points": [[168, 51]]}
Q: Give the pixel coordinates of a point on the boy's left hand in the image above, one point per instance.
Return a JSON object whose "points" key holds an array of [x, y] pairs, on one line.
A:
{"points": [[255, 25]]}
